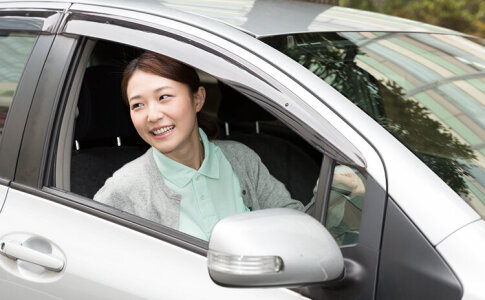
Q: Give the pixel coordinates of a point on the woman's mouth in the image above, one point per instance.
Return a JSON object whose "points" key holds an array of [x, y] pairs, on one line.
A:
{"points": [[163, 130]]}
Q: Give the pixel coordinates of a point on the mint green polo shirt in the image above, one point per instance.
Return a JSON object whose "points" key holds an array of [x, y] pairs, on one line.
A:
{"points": [[208, 195]]}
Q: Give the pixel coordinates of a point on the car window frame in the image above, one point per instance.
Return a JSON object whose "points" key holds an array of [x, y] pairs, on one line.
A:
{"points": [[89, 23], [69, 45], [41, 22]]}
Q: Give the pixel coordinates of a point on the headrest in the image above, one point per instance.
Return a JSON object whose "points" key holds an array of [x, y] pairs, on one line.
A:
{"points": [[235, 107], [102, 113]]}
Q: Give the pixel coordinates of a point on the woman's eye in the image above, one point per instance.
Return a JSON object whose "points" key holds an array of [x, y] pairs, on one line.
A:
{"points": [[163, 97], [136, 105]]}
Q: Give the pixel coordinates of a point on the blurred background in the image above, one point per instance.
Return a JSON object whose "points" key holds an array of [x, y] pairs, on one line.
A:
{"points": [[462, 15]]}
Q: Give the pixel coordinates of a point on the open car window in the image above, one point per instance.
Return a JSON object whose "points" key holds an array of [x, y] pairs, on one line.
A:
{"points": [[99, 137]]}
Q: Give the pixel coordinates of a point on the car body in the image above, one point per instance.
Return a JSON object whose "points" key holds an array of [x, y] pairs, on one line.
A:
{"points": [[417, 236]]}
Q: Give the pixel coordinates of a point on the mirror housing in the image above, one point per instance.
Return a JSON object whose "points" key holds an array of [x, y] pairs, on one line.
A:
{"points": [[272, 247]]}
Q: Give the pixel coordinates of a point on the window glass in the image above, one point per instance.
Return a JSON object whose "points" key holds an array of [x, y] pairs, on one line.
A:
{"points": [[427, 90], [274, 166], [15, 49], [345, 205]]}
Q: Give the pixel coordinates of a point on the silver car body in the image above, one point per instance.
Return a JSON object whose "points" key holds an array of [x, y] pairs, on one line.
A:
{"points": [[450, 225]]}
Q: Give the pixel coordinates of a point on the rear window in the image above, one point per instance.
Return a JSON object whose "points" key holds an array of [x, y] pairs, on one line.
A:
{"points": [[14, 49], [428, 90]]}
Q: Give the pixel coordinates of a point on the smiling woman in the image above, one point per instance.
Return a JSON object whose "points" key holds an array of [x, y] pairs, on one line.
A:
{"points": [[184, 181], [163, 110]]}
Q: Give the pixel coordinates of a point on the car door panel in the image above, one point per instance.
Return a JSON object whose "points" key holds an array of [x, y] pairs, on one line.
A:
{"points": [[104, 260]]}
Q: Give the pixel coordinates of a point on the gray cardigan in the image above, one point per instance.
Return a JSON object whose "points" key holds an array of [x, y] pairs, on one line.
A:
{"points": [[138, 187]]}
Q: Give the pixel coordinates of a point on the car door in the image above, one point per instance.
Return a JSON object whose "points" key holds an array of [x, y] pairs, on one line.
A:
{"points": [[26, 36], [95, 251]]}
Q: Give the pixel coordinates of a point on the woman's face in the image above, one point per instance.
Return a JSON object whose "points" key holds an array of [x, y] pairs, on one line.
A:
{"points": [[163, 112]]}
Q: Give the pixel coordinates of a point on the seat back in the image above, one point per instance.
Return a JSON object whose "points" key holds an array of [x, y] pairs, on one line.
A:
{"points": [[285, 161], [288, 157], [103, 118], [105, 138]]}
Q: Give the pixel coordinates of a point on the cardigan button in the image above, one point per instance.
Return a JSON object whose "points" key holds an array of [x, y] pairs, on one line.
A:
{"points": [[244, 192]]}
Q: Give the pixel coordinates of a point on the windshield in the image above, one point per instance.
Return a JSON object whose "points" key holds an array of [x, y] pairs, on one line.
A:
{"points": [[428, 90]]}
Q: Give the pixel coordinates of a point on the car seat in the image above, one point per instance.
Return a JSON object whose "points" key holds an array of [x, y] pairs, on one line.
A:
{"points": [[105, 138], [288, 157]]}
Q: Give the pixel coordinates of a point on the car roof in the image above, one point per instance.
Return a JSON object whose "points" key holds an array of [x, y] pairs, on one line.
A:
{"points": [[272, 17]]}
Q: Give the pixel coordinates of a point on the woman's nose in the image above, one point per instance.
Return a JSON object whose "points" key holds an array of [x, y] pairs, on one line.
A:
{"points": [[154, 114]]}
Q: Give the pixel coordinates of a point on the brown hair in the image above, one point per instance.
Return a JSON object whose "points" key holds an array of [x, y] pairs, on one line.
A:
{"points": [[167, 67]]}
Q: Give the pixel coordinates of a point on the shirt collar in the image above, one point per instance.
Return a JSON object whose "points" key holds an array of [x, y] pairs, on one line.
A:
{"points": [[210, 165], [180, 174]]}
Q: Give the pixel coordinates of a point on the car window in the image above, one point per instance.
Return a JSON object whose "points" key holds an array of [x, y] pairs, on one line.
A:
{"points": [[104, 140], [425, 89], [346, 201], [15, 49]]}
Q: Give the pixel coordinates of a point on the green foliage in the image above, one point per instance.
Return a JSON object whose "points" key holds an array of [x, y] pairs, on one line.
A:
{"points": [[462, 15], [7, 93]]}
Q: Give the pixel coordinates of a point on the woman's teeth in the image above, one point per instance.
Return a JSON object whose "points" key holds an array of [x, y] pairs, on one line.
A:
{"points": [[163, 130]]}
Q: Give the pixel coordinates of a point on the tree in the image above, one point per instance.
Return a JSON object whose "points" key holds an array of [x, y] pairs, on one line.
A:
{"points": [[330, 2], [462, 15]]}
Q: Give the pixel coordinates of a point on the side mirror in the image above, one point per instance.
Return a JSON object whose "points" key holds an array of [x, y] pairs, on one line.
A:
{"points": [[272, 247]]}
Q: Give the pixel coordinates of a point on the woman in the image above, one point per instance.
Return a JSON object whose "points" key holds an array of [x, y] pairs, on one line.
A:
{"points": [[184, 181]]}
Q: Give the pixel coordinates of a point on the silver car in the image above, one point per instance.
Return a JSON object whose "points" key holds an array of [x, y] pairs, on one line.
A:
{"points": [[317, 91]]}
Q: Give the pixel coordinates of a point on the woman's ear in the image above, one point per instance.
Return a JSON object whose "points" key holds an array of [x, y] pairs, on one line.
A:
{"points": [[199, 98]]}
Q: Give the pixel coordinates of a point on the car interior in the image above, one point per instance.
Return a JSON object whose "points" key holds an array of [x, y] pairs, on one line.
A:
{"points": [[104, 138]]}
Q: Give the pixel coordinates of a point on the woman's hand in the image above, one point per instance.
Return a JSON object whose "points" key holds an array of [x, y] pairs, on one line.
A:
{"points": [[347, 177]]}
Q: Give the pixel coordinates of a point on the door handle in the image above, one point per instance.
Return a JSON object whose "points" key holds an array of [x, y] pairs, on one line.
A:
{"points": [[15, 250]]}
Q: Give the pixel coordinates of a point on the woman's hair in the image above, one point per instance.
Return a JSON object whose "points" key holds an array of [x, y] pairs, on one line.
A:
{"points": [[167, 67]]}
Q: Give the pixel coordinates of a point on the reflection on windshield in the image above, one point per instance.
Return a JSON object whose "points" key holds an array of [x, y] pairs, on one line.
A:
{"points": [[427, 90]]}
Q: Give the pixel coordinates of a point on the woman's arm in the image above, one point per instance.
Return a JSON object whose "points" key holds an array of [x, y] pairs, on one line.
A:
{"points": [[272, 193]]}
